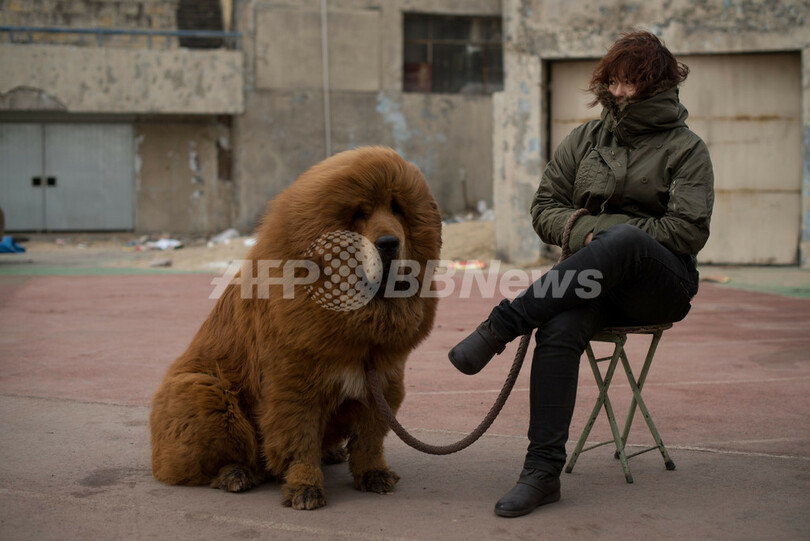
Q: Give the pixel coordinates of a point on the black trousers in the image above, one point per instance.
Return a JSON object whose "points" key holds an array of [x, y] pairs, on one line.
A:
{"points": [[623, 277]]}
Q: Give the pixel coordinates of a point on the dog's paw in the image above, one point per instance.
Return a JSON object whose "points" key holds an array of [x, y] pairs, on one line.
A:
{"points": [[305, 497], [235, 478], [379, 481]]}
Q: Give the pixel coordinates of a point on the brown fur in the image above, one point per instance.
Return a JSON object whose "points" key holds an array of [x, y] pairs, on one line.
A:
{"points": [[276, 386]]}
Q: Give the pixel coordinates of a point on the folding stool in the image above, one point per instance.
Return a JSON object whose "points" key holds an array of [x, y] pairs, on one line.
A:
{"points": [[618, 336]]}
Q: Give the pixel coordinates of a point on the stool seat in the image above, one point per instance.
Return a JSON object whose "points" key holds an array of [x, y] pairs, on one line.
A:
{"points": [[618, 337], [641, 329]]}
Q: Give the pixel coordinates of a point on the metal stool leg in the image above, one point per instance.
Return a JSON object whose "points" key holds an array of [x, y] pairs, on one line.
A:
{"points": [[594, 412], [638, 401], [641, 379], [603, 401]]}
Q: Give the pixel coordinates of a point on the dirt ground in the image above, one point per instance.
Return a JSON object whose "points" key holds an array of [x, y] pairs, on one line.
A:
{"points": [[461, 241]]}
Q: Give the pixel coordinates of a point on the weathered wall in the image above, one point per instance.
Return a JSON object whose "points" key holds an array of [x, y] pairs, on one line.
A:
{"points": [[282, 132], [109, 80], [177, 184], [556, 29], [155, 14]]}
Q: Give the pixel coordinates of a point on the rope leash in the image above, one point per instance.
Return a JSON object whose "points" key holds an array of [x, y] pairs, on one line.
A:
{"points": [[404, 435], [472, 437]]}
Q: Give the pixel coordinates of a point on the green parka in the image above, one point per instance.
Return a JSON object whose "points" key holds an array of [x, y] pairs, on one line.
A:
{"points": [[639, 165]]}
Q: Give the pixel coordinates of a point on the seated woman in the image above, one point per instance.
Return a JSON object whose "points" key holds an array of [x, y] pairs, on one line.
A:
{"points": [[646, 183]]}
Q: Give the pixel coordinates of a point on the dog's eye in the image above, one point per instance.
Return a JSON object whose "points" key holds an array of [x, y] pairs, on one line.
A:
{"points": [[395, 208], [359, 215]]}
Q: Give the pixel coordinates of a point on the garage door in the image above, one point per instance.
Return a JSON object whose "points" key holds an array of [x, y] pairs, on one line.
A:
{"points": [[58, 177], [747, 109]]}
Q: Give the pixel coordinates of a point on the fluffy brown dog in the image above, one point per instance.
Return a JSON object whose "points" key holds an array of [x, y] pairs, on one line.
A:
{"points": [[276, 385]]}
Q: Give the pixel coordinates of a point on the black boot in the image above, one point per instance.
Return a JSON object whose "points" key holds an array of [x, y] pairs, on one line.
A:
{"points": [[533, 489], [474, 352]]}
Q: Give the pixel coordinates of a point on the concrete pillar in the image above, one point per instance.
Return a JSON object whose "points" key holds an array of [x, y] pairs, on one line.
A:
{"points": [[517, 163], [804, 236]]}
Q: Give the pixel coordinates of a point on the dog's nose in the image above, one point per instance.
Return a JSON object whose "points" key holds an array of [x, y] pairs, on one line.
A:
{"points": [[387, 244]]}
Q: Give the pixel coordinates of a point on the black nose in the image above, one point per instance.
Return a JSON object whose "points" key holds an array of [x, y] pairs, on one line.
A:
{"points": [[388, 244]]}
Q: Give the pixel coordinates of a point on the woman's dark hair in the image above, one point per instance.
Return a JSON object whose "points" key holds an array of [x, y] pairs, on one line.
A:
{"points": [[641, 59]]}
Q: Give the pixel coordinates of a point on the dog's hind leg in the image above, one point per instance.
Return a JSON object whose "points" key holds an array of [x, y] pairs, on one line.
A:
{"points": [[201, 435]]}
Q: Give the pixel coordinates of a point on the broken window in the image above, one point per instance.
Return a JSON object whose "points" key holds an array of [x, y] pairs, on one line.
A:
{"points": [[452, 54]]}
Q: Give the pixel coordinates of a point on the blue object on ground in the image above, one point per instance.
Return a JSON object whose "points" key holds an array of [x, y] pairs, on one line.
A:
{"points": [[7, 245]]}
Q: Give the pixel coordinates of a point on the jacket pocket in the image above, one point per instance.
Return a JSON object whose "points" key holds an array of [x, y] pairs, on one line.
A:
{"points": [[591, 181]]}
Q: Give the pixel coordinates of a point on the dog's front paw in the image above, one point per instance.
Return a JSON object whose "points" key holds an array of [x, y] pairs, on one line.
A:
{"points": [[379, 481], [305, 497]]}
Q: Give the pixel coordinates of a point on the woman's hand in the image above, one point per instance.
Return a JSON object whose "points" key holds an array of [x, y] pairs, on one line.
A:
{"points": [[588, 239]]}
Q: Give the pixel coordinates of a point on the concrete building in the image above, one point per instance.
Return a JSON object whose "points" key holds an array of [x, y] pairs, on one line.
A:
{"points": [[111, 132], [475, 92], [307, 98]]}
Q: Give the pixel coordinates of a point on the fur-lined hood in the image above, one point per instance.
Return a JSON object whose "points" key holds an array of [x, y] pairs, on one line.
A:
{"points": [[662, 110]]}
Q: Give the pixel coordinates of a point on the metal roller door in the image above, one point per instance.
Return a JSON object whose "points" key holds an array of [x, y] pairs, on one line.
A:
{"points": [[61, 177], [747, 108]]}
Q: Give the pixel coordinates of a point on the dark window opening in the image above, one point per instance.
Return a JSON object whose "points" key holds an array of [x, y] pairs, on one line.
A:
{"points": [[452, 54], [199, 15]]}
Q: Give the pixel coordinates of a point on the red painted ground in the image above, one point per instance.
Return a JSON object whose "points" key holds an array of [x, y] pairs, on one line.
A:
{"points": [[729, 391]]}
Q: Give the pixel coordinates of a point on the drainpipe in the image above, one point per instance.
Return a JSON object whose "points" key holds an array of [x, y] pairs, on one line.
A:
{"points": [[327, 121]]}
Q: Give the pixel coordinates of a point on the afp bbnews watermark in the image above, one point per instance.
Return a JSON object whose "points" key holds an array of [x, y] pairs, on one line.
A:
{"points": [[351, 274]]}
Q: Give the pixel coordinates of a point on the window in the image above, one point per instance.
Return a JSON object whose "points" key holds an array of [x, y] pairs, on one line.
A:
{"points": [[199, 15], [452, 54]]}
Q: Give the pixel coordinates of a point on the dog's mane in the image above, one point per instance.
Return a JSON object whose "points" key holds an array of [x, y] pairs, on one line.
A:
{"points": [[331, 192]]}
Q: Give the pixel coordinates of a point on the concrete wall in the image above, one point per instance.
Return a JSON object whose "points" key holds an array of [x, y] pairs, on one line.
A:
{"points": [[109, 80], [541, 30], [151, 14], [283, 130], [178, 187]]}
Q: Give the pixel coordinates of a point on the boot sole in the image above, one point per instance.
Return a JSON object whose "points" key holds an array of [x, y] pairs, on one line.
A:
{"points": [[550, 498]]}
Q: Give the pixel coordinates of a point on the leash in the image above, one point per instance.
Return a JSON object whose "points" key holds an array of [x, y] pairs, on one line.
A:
{"points": [[404, 435], [472, 437]]}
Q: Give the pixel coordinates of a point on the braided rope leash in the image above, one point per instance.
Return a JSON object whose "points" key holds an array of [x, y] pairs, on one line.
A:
{"points": [[404, 435], [472, 437], [569, 225]]}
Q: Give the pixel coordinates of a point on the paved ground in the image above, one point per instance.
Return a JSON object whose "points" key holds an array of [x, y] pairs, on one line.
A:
{"points": [[80, 356]]}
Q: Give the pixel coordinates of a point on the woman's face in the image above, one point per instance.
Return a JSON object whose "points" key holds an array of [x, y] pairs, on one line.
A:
{"points": [[621, 88]]}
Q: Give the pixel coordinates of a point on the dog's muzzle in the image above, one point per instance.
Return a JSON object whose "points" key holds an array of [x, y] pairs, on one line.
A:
{"points": [[388, 249]]}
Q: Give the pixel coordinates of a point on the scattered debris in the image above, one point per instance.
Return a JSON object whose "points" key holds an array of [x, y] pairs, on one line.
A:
{"points": [[160, 263], [481, 214], [143, 244], [164, 244], [224, 238]]}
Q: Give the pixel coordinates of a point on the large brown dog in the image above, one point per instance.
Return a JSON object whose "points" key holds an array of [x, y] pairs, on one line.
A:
{"points": [[276, 385]]}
